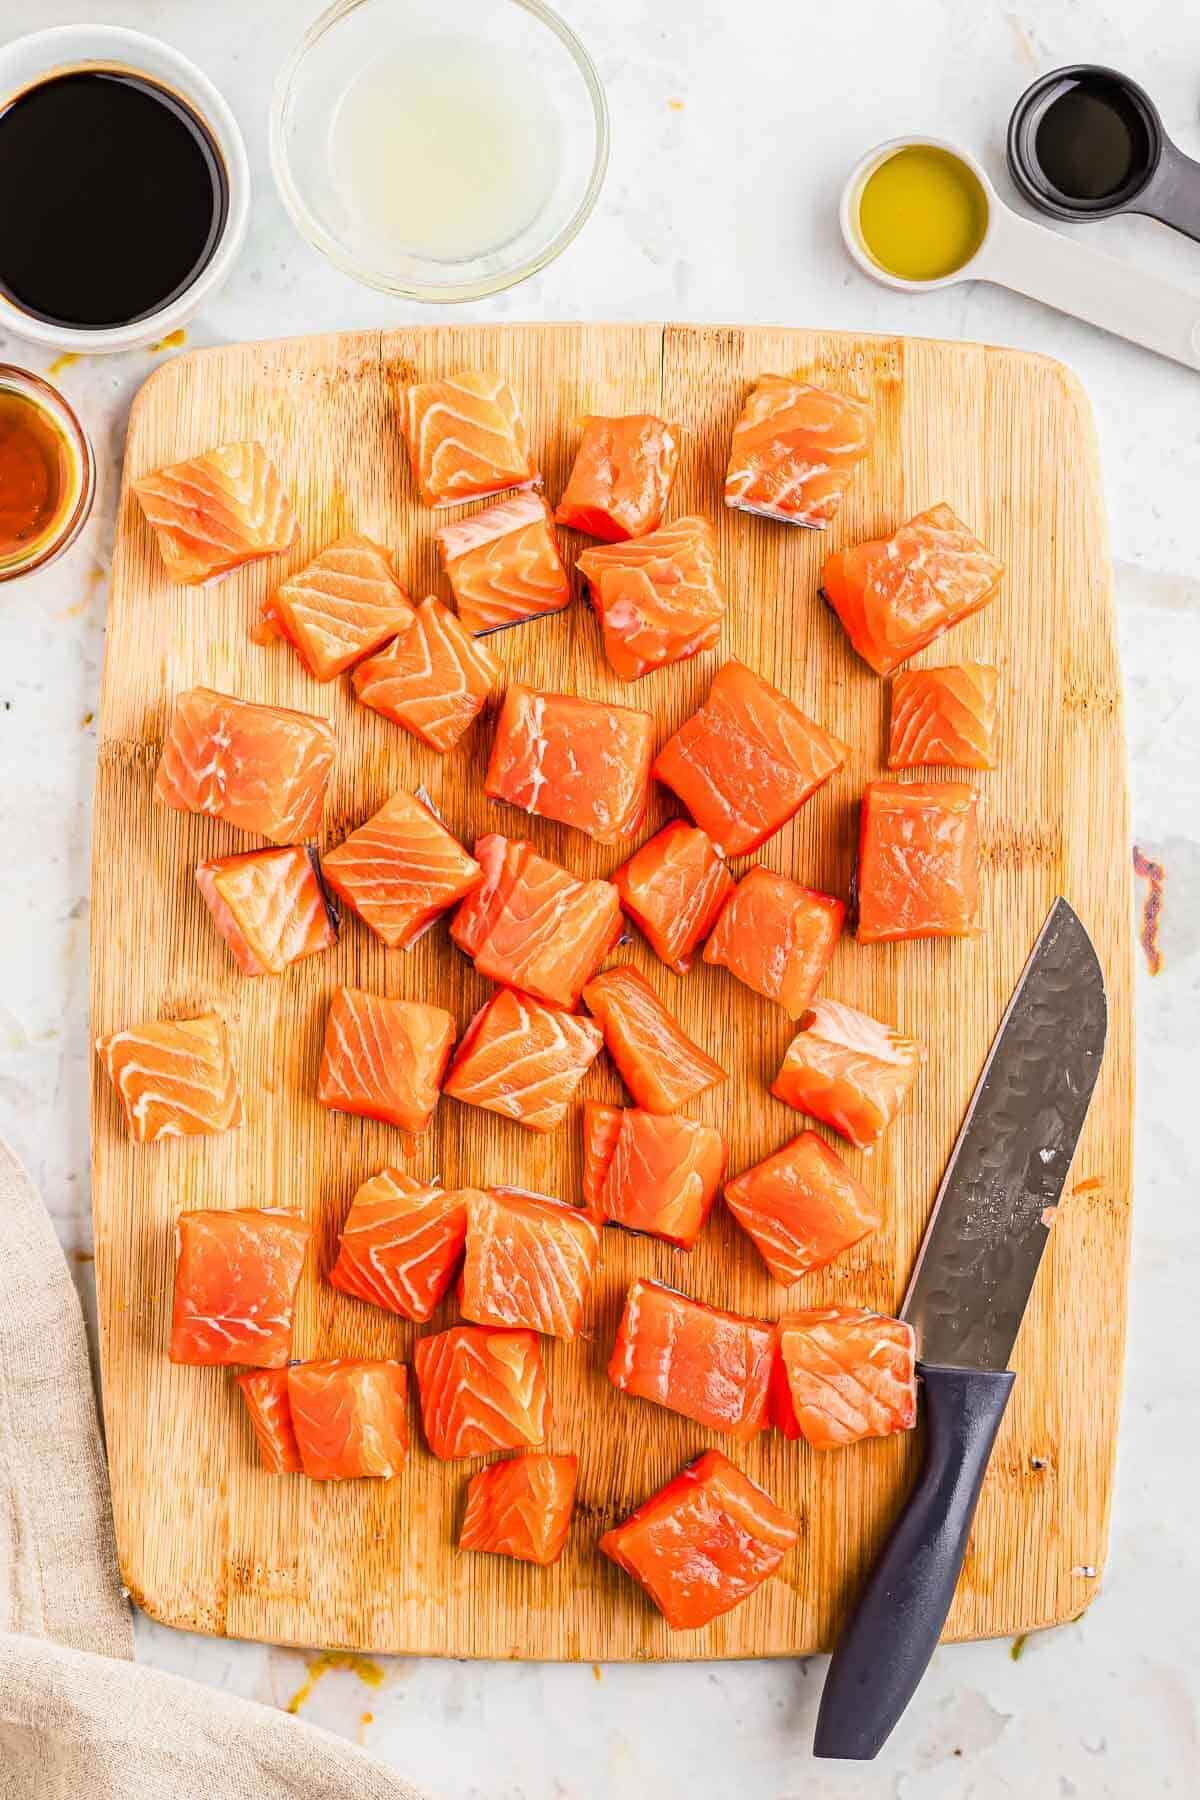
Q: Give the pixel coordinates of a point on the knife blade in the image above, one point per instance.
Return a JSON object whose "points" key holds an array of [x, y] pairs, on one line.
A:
{"points": [[984, 1243]]}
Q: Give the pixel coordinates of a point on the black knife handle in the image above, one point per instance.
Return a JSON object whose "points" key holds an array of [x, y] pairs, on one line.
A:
{"points": [[885, 1649]]}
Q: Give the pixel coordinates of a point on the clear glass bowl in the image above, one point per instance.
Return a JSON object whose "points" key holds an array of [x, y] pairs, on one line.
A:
{"points": [[79, 479], [352, 36]]}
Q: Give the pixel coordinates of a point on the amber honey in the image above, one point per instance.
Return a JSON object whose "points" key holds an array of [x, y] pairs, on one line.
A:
{"points": [[45, 473]]}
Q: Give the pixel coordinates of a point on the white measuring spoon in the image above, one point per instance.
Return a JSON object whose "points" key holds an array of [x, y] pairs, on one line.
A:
{"points": [[1043, 264]]}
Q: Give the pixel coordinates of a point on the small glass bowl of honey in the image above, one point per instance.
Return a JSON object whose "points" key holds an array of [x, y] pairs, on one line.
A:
{"points": [[47, 473]]}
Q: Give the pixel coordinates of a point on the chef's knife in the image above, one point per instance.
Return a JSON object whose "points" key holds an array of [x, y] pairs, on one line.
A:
{"points": [[990, 1223]]}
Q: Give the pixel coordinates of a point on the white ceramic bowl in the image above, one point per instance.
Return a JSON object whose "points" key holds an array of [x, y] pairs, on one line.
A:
{"points": [[28, 60]]}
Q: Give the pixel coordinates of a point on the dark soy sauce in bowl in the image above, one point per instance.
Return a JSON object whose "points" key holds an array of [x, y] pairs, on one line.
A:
{"points": [[1091, 141], [113, 198]]}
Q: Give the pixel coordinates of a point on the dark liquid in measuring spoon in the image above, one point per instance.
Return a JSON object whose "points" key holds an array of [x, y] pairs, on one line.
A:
{"points": [[113, 195], [1092, 141]]}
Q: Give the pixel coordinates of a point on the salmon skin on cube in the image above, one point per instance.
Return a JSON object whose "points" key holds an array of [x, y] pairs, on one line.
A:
{"points": [[434, 680], [262, 768], [714, 1367], [173, 1077], [401, 1244], [531, 925], [777, 937], [217, 512], [503, 565], [802, 1207], [918, 861], [481, 1390], [622, 477], [270, 906], [401, 870], [584, 763], [659, 1064], [523, 1060], [848, 1070], [265, 1392], [673, 889], [944, 715], [521, 1507], [236, 1275], [384, 1059], [795, 450], [529, 1262], [895, 595], [659, 599], [703, 1543], [350, 1418], [466, 438], [847, 1374], [651, 1172], [338, 608], [747, 761]]}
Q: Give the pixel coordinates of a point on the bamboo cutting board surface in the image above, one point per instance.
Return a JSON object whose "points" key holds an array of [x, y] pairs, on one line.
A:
{"points": [[206, 1539]]}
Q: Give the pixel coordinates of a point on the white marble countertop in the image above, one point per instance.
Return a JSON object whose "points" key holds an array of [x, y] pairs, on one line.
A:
{"points": [[733, 126]]}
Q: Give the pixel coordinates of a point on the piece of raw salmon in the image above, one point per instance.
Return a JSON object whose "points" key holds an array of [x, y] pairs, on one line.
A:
{"points": [[350, 1418], [529, 1262], [585, 763], [703, 1543], [944, 715], [523, 1059], [659, 1064], [747, 761], [802, 1207], [435, 678], [384, 1059], [673, 888], [651, 1172], [895, 595], [401, 1244], [338, 608], [918, 861], [601, 1129], [481, 1390], [503, 565], [265, 1392], [270, 906], [795, 450], [521, 1507], [262, 768], [622, 477], [777, 937], [714, 1367], [173, 1077], [218, 511], [401, 870], [466, 438], [659, 599], [236, 1275], [848, 1374], [848, 1070]]}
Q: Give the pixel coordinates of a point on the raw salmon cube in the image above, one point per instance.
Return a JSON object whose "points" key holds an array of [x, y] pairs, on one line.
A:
{"points": [[848, 1070], [261, 768], [523, 1060], [747, 761], [659, 599], [174, 1077], [400, 870], [521, 1507], [795, 450], [435, 679], [265, 1392], [384, 1059], [481, 1390], [777, 937], [944, 716], [850, 1374], [218, 511], [529, 1262], [270, 907], [660, 1065], [713, 1367], [918, 861], [338, 608], [503, 565], [236, 1275], [673, 889], [466, 437], [350, 1418], [601, 1129], [401, 1244], [703, 1543], [622, 477], [802, 1207], [655, 1172], [585, 763]]}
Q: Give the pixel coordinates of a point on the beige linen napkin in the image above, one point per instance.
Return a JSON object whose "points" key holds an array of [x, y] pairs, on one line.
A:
{"points": [[79, 1720]]}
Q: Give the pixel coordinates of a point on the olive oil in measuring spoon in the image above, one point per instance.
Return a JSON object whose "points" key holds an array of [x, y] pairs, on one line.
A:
{"points": [[922, 213]]}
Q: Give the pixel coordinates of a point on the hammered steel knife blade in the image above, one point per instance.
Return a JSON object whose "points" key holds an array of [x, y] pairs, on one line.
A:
{"points": [[981, 1252]]}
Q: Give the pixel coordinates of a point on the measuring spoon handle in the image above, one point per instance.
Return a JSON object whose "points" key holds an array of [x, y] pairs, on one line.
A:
{"points": [[1173, 195], [1117, 296]]}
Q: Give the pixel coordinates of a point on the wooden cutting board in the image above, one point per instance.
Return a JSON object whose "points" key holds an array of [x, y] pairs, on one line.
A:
{"points": [[206, 1539]]}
